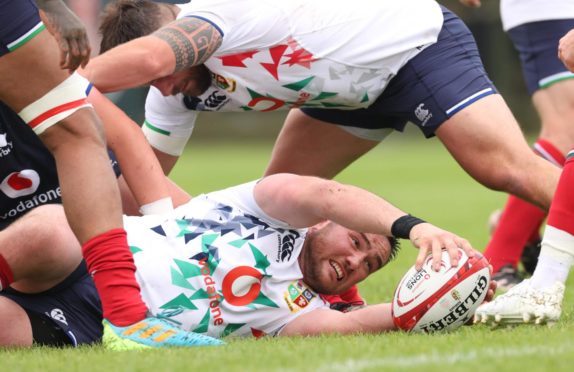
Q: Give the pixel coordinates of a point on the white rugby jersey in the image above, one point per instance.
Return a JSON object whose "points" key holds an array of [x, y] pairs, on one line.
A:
{"points": [[517, 12], [279, 54], [221, 266]]}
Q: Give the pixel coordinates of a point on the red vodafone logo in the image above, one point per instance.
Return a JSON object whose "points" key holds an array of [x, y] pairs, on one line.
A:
{"points": [[22, 183], [242, 285]]}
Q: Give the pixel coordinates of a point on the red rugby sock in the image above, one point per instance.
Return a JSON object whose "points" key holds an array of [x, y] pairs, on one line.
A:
{"points": [[561, 214], [520, 221], [6, 275], [112, 267]]}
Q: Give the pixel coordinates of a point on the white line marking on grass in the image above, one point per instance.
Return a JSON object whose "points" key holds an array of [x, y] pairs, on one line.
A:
{"points": [[445, 358]]}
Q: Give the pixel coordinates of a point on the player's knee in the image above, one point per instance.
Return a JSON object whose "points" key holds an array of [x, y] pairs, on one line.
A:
{"points": [[15, 327], [51, 228], [500, 177]]}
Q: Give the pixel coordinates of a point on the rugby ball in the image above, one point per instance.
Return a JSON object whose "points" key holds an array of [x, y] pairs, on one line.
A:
{"points": [[430, 301]]}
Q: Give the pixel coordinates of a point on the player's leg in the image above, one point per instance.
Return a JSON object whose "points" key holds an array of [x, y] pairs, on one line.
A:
{"points": [[446, 92], [520, 221], [39, 250], [309, 146], [555, 105], [70, 130], [76, 140], [539, 299], [487, 142], [552, 90], [68, 314], [15, 327], [54, 105], [478, 128]]}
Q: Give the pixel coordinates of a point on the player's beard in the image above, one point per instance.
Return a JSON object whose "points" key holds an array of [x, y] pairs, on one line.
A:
{"points": [[312, 268]]}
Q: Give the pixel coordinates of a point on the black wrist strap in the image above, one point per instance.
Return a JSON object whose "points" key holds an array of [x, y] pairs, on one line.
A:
{"points": [[402, 226]]}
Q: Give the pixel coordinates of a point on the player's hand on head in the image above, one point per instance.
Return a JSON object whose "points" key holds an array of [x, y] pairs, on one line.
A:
{"points": [[71, 35], [471, 3], [566, 50], [430, 239]]}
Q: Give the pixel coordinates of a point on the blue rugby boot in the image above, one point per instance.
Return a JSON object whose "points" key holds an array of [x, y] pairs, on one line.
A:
{"points": [[152, 332]]}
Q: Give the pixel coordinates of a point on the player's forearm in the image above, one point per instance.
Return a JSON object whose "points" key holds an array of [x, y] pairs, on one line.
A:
{"points": [[371, 319], [142, 171], [138, 163], [136, 63], [166, 161]]}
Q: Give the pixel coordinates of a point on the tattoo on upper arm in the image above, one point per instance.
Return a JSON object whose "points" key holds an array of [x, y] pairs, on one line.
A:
{"points": [[192, 41]]}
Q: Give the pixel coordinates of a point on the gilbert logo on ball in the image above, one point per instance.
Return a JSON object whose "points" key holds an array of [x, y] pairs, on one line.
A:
{"points": [[430, 301]]}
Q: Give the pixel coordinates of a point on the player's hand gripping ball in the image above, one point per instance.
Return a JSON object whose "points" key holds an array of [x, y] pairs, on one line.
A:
{"points": [[431, 301]]}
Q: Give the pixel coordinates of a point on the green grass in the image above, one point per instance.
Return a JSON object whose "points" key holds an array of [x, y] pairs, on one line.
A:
{"points": [[418, 176]]}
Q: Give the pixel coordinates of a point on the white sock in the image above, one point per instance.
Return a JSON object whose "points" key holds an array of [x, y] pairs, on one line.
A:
{"points": [[555, 258]]}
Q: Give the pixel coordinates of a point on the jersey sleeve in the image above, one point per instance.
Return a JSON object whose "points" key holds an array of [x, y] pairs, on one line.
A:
{"points": [[243, 25], [242, 197], [168, 123]]}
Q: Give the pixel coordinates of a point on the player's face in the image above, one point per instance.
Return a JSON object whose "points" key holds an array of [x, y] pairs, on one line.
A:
{"points": [[335, 258], [192, 81]]}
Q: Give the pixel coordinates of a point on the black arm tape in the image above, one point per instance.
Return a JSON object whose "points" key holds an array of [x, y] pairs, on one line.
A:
{"points": [[402, 226]]}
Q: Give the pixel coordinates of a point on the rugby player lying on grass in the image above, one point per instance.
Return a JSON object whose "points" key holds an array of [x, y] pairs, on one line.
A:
{"points": [[250, 260]]}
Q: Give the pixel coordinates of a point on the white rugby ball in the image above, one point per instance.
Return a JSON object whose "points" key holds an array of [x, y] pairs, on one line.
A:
{"points": [[431, 301]]}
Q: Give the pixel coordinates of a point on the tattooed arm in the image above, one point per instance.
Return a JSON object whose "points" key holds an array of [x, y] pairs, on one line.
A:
{"points": [[181, 44]]}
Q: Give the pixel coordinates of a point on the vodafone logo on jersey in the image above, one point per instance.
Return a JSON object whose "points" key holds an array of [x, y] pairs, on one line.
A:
{"points": [[241, 286], [18, 184]]}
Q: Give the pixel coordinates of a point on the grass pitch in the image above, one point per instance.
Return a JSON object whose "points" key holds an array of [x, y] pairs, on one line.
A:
{"points": [[420, 177]]}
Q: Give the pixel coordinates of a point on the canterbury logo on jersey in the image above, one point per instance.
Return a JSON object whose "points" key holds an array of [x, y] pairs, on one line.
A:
{"points": [[286, 246], [213, 102]]}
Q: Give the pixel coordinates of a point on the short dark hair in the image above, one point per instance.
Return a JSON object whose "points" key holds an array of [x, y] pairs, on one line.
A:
{"points": [[395, 247], [124, 20]]}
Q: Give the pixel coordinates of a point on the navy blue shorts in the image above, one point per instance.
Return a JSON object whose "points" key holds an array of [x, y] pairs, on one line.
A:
{"points": [[73, 306], [437, 83], [19, 22], [537, 45]]}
